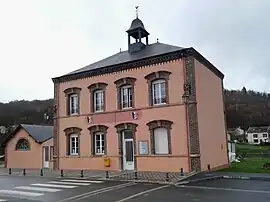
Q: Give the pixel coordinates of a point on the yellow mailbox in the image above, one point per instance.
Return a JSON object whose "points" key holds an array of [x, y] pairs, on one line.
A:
{"points": [[107, 162]]}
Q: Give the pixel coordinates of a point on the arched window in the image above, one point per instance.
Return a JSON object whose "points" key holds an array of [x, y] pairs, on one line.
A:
{"points": [[158, 87], [23, 145]]}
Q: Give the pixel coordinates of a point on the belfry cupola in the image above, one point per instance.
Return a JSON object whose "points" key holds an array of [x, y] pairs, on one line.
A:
{"points": [[138, 33]]}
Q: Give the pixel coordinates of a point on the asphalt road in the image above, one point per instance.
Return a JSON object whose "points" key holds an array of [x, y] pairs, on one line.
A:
{"points": [[25, 189]]}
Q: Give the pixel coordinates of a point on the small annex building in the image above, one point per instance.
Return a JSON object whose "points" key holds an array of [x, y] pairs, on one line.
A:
{"points": [[29, 147]]}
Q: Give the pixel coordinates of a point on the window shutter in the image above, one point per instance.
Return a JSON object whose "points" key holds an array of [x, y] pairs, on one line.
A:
{"points": [[119, 104], [93, 101], [68, 145], [79, 144], [150, 94], [68, 104], [93, 144], [78, 100], [161, 141], [152, 143], [105, 144]]}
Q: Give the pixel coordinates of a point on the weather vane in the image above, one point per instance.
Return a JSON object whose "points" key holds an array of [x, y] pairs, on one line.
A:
{"points": [[137, 10]]}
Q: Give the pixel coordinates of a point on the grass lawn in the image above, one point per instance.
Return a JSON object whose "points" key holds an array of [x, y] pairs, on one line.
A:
{"points": [[249, 165], [251, 149]]}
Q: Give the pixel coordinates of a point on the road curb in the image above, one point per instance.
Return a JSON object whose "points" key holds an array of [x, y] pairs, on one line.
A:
{"points": [[198, 180], [246, 178]]}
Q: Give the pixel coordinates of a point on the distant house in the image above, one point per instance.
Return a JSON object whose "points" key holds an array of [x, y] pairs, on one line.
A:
{"points": [[256, 135], [237, 134], [29, 146], [236, 131], [231, 148]]}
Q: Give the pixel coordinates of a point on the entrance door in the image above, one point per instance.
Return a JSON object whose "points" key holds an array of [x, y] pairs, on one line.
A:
{"points": [[128, 151], [46, 157]]}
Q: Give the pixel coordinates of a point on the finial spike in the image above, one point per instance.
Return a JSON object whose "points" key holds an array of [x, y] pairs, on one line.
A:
{"points": [[137, 11]]}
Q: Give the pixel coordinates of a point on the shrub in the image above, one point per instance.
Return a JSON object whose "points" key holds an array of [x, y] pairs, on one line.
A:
{"points": [[266, 165]]}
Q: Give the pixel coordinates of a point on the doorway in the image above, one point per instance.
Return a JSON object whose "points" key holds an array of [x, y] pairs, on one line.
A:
{"points": [[128, 150], [46, 157]]}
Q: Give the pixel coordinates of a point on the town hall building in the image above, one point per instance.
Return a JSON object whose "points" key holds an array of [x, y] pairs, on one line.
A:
{"points": [[153, 107]]}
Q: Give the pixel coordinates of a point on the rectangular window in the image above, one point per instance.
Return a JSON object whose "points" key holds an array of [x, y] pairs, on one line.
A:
{"points": [[126, 97], [255, 135], [74, 145], [74, 104], [265, 135], [99, 144], [161, 141], [99, 101], [159, 92], [255, 140]]}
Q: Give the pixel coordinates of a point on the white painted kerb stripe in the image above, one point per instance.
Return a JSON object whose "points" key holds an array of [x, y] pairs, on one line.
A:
{"points": [[2, 200], [54, 185], [69, 183], [83, 181], [20, 193], [44, 189]]}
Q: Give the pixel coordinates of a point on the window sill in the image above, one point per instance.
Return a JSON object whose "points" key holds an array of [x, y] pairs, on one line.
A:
{"points": [[70, 115], [97, 112], [127, 108], [98, 155], [73, 156]]}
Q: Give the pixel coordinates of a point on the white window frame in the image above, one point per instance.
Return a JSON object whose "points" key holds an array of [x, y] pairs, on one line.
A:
{"points": [[256, 135], [161, 148], [74, 104], [158, 99], [99, 138], [99, 107], [124, 89], [74, 151]]}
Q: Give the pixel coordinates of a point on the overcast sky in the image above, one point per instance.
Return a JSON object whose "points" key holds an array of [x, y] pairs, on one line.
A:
{"points": [[41, 39]]}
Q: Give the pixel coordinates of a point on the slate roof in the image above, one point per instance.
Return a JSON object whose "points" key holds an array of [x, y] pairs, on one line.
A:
{"points": [[125, 56], [262, 129], [39, 133]]}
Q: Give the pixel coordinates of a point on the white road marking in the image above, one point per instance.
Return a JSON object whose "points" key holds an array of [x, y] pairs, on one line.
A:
{"points": [[54, 185], [86, 181], [44, 189], [69, 183], [226, 189], [98, 191], [20, 193], [2, 200], [142, 193]]}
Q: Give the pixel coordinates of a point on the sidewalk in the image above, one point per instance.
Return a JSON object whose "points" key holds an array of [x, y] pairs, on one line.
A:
{"points": [[225, 175], [136, 176]]}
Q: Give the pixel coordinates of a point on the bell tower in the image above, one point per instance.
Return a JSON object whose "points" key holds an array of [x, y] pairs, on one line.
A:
{"points": [[137, 32]]}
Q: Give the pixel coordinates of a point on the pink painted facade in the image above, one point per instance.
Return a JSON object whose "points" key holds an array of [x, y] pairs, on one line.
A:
{"points": [[184, 131], [32, 158]]}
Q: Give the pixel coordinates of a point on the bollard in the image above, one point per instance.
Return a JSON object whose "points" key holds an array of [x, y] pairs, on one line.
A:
{"points": [[62, 173], [41, 172], [107, 174], [181, 172], [81, 173], [208, 167], [9, 171], [167, 177], [24, 172], [136, 175]]}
